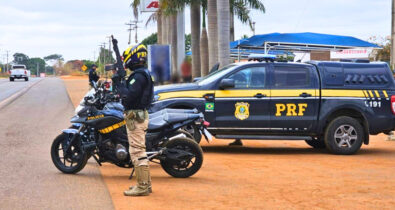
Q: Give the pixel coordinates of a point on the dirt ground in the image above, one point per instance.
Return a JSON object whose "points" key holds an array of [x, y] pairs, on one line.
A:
{"points": [[265, 175]]}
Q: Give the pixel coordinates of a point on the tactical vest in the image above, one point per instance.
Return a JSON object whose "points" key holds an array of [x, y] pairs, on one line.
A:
{"points": [[148, 95]]}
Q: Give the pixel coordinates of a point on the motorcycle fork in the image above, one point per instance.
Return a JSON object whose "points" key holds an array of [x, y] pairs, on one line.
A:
{"points": [[74, 137]]}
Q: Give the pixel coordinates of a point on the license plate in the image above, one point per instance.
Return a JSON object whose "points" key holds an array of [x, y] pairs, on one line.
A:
{"points": [[208, 135]]}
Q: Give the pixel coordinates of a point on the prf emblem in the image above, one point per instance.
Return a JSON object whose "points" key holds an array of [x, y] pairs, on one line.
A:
{"points": [[290, 109], [242, 111]]}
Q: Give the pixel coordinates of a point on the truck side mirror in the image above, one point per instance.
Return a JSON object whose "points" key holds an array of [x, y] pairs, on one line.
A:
{"points": [[227, 83]]}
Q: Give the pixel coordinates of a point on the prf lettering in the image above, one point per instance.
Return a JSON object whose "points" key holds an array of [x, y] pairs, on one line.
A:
{"points": [[291, 109]]}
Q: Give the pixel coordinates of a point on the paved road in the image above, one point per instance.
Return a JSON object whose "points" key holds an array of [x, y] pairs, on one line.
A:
{"points": [[8, 88], [28, 179]]}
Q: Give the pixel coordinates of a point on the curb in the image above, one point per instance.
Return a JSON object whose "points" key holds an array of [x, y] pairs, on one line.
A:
{"points": [[16, 95]]}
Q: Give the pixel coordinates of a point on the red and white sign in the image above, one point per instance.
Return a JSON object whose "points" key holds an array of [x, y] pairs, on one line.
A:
{"points": [[149, 5], [351, 53]]}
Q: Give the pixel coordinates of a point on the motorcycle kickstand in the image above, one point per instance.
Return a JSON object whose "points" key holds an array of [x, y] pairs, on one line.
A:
{"points": [[97, 160], [131, 175]]}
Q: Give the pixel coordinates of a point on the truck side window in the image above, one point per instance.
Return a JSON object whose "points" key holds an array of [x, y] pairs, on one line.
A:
{"points": [[250, 78], [291, 77]]}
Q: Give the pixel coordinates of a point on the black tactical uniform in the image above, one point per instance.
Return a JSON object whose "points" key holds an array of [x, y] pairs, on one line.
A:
{"points": [[93, 77], [139, 90]]}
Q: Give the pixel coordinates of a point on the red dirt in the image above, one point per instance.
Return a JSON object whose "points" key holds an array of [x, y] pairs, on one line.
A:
{"points": [[266, 174]]}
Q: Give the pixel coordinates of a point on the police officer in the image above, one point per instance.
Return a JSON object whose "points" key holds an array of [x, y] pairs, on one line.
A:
{"points": [[93, 77], [137, 95]]}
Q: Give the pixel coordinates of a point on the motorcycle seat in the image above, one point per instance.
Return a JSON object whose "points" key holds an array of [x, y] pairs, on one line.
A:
{"points": [[157, 122], [170, 111], [170, 118]]}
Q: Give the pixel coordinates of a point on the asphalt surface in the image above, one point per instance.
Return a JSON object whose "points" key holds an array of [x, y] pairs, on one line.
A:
{"points": [[28, 178], [8, 88]]}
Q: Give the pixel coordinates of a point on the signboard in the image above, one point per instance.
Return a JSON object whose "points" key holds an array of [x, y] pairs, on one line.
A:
{"points": [[84, 68], [149, 5], [159, 62], [351, 53]]}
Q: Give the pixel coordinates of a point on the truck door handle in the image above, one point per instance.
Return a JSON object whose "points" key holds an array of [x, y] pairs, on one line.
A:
{"points": [[304, 95], [259, 95]]}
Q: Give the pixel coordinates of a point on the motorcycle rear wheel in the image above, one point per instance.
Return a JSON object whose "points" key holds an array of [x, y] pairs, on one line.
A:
{"points": [[187, 167], [68, 165]]}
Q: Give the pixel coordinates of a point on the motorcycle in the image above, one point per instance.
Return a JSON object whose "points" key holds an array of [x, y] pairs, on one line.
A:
{"points": [[98, 130]]}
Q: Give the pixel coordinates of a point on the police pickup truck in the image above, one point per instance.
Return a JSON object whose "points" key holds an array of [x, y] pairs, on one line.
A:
{"points": [[333, 105]]}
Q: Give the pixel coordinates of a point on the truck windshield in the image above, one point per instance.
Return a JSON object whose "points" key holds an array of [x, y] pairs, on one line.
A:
{"points": [[216, 74]]}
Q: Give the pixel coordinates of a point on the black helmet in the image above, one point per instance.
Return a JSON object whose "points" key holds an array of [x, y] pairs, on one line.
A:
{"points": [[135, 55]]}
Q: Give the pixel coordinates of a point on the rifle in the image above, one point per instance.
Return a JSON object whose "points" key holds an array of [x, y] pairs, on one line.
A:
{"points": [[118, 65]]}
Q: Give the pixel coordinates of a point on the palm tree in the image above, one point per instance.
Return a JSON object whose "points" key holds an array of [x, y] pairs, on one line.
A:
{"points": [[223, 10], [204, 43], [174, 60], [241, 8], [212, 32], [195, 37]]}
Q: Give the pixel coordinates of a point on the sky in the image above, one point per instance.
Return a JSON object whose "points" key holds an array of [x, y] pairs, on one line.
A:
{"points": [[76, 28]]}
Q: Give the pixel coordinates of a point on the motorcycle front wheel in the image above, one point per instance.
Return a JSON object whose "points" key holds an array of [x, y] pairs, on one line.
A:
{"points": [[187, 166], [69, 162]]}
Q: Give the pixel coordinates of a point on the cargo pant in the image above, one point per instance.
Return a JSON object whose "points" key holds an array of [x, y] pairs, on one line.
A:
{"points": [[136, 129]]}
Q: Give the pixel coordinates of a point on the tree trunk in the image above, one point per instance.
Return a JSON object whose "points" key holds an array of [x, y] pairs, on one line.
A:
{"points": [[204, 53], [159, 28], [169, 29], [212, 32], [164, 29], [232, 26], [195, 38], [223, 32], [174, 61]]}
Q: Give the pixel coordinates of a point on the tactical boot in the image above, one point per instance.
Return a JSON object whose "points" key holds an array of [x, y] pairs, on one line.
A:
{"points": [[149, 184], [141, 189]]}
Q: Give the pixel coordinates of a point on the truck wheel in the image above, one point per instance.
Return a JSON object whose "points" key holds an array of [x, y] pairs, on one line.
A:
{"points": [[344, 136], [11, 79], [316, 143], [26, 79]]}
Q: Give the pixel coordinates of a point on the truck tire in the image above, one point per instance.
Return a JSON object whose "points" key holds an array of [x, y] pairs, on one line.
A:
{"points": [[11, 79], [26, 79], [344, 136], [316, 143]]}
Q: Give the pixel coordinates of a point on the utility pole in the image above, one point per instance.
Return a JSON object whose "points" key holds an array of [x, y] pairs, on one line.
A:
{"points": [[253, 28], [135, 27], [393, 35], [7, 51], [109, 48], [38, 70], [104, 53], [130, 29]]}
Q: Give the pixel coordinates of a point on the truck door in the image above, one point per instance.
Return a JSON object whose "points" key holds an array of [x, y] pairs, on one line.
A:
{"points": [[245, 107], [294, 99]]}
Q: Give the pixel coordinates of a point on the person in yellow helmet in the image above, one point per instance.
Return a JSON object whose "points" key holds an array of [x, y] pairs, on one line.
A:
{"points": [[137, 95]]}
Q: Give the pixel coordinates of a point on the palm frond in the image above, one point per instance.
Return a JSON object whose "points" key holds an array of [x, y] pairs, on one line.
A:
{"points": [[253, 4], [152, 18], [135, 6]]}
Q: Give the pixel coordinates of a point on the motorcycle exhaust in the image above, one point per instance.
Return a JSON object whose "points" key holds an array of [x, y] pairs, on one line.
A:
{"points": [[181, 135]]}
